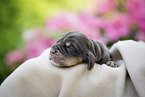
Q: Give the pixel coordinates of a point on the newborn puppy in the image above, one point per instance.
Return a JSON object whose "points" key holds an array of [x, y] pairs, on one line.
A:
{"points": [[75, 47]]}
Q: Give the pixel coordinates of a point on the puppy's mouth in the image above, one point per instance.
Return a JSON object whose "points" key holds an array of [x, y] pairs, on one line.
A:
{"points": [[53, 57], [56, 58]]}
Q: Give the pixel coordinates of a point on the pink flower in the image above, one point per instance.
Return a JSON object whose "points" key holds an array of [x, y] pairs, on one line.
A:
{"points": [[30, 35], [140, 35], [88, 26], [83, 22], [88, 20], [136, 11], [116, 28], [64, 21], [105, 6], [14, 57], [35, 48]]}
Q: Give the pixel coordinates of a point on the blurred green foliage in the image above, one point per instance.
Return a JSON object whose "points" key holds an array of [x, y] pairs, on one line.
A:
{"points": [[18, 15], [10, 35]]}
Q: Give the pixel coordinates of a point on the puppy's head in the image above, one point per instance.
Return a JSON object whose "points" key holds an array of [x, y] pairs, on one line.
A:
{"points": [[71, 49]]}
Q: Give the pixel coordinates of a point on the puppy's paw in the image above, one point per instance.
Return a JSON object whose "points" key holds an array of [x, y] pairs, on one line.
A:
{"points": [[112, 64]]}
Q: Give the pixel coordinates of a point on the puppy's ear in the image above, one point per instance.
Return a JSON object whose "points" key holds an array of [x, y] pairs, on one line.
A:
{"points": [[91, 60]]}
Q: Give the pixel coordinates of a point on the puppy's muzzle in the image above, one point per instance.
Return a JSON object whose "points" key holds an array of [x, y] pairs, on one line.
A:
{"points": [[55, 54]]}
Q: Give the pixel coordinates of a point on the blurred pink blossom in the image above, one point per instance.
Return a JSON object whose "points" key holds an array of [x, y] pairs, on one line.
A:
{"points": [[32, 34], [35, 48], [64, 21], [116, 28], [88, 26], [136, 11], [140, 35], [14, 57], [84, 23], [89, 20], [105, 6]]}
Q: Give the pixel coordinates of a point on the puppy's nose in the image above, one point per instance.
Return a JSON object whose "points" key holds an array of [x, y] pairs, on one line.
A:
{"points": [[53, 51]]}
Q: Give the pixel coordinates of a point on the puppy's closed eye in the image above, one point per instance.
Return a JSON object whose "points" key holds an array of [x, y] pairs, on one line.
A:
{"points": [[70, 46], [71, 50]]}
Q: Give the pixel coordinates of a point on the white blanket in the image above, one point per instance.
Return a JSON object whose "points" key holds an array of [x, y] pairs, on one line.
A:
{"points": [[37, 77]]}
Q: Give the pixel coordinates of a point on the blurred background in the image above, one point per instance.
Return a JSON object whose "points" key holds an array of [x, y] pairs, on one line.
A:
{"points": [[28, 27]]}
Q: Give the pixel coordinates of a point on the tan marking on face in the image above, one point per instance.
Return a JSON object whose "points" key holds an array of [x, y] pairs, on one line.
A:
{"points": [[67, 43], [72, 61], [67, 62]]}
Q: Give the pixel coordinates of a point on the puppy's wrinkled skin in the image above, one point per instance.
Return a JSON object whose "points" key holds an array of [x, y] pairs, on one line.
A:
{"points": [[75, 47]]}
